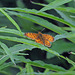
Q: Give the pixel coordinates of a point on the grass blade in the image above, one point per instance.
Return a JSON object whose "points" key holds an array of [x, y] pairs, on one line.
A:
{"points": [[14, 23], [54, 4], [33, 11], [7, 51]]}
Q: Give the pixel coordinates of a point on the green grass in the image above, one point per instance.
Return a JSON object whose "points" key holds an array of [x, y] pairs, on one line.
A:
{"points": [[10, 55]]}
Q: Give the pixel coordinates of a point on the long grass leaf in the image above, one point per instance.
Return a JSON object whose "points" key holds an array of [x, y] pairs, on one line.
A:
{"points": [[14, 23], [66, 9], [3, 59], [11, 31], [66, 17], [40, 64], [7, 51], [54, 4], [29, 69], [33, 11]]}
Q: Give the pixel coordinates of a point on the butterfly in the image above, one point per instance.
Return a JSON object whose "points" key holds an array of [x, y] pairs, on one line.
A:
{"points": [[43, 39]]}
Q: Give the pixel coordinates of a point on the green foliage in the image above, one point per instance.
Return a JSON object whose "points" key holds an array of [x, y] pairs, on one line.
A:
{"points": [[14, 23], [40, 64], [64, 40], [66, 9], [7, 51], [54, 4]]}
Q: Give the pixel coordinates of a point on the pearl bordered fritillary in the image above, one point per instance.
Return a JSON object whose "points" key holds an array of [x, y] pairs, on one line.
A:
{"points": [[43, 39]]}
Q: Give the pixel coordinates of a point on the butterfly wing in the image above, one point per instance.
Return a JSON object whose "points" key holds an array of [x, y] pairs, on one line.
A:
{"points": [[48, 37], [47, 43], [38, 40], [45, 39], [43, 42], [33, 36]]}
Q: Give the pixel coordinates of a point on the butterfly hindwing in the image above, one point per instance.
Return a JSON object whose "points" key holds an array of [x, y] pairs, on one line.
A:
{"points": [[48, 37], [47, 43], [39, 41], [43, 41]]}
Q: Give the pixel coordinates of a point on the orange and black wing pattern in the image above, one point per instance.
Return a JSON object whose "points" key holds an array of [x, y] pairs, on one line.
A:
{"points": [[33, 36], [47, 43], [43, 39], [48, 37], [38, 40], [44, 42]]}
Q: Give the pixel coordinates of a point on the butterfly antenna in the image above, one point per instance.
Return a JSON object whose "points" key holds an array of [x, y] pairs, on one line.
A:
{"points": [[37, 31], [42, 29], [34, 29], [31, 1]]}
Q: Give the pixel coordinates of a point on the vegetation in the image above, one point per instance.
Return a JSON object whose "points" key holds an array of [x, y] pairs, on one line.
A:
{"points": [[20, 55]]}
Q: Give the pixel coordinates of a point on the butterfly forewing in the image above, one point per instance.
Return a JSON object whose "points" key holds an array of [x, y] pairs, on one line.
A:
{"points": [[33, 36]]}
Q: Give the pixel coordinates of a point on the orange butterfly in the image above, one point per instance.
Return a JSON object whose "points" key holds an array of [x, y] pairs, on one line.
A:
{"points": [[43, 39]]}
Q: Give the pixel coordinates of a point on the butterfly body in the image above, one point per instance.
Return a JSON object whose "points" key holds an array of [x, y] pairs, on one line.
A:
{"points": [[43, 39]]}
